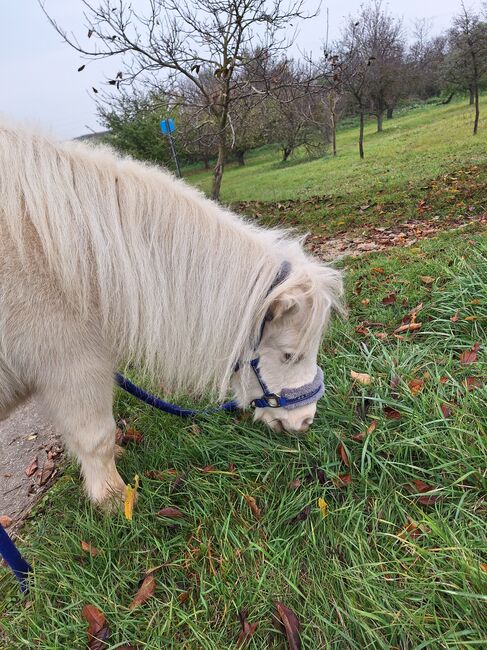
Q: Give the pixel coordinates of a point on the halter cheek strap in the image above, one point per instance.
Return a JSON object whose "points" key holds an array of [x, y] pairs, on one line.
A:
{"points": [[289, 398]]}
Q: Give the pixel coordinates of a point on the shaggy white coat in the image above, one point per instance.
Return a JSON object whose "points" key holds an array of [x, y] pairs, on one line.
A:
{"points": [[104, 261]]}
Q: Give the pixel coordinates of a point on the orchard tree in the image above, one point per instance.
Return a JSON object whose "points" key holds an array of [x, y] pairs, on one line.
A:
{"points": [[177, 39], [467, 58]]}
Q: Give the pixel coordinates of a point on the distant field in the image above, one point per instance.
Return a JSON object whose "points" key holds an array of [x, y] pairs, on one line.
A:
{"points": [[421, 144]]}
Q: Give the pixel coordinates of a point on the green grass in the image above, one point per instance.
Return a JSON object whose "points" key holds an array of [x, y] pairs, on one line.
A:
{"points": [[351, 579], [416, 148]]}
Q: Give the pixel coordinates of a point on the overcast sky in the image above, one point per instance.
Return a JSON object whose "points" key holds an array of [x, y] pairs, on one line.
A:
{"points": [[38, 78]]}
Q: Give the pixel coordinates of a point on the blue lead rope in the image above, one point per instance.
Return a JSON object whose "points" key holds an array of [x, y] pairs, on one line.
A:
{"points": [[167, 407], [14, 559]]}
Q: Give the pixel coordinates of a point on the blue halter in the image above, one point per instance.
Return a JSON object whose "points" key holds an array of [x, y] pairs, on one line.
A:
{"points": [[289, 398]]}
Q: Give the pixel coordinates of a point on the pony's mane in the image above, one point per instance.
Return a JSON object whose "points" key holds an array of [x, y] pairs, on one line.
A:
{"points": [[179, 283]]}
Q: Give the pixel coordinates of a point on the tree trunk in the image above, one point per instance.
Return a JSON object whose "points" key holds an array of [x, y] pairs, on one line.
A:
{"points": [[361, 136], [286, 152], [447, 100], [472, 95], [240, 158], [390, 111], [219, 167], [380, 116], [477, 109], [206, 162], [334, 137]]}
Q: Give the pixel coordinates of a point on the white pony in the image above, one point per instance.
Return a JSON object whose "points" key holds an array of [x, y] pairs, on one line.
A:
{"points": [[104, 261]]}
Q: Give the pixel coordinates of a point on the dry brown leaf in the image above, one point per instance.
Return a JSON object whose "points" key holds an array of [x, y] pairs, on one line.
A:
{"points": [[389, 299], [145, 591], [343, 454], [88, 548], [342, 480], [455, 316], [416, 386], [365, 302], [408, 327], [359, 437], [253, 506], [391, 413], [5, 521], [471, 383], [290, 622], [484, 567], [427, 279], [47, 471], [32, 467], [361, 378], [97, 631], [170, 513], [294, 485], [446, 410], [248, 629], [470, 356]]}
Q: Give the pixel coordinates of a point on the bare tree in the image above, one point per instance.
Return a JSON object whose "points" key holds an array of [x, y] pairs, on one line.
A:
{"points": [[354, 70], [467, 58], [181, 38], [425, 61]]}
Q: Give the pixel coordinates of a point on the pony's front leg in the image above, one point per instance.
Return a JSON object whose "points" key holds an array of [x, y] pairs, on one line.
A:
{"points": [[82, 413]]}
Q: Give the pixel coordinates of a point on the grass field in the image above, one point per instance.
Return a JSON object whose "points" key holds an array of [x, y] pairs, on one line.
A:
{"points": [[425, 160], [400, 560]]}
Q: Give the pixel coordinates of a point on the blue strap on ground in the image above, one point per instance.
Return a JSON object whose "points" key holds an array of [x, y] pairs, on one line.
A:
{"points": [[167, 407], [13, 558]]}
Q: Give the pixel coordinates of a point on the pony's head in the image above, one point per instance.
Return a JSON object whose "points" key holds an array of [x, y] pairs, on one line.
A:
{"points": [[293, 319]]}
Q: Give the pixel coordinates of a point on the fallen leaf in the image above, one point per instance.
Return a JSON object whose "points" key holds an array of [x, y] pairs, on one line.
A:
{"points": [[427, 279], [130, 496], [382, 336], [253, 506], [160, 475], [484, 567], [455, 316], [443, 380], [248, 629], [446, 410], [471, 383], [88, 548], [411, 529], [47, 471], [170, 513], [342, 480], [390, 299], [97, 630], [290, 623], [32, 467], [301, 516], [415, 386], [207, 469], [391, 413], [359, 437], [343, 454], [471, 319], [361, 378], [131, 435], [323, 506], [408, 327], [378, 270], [421, 486], [294, 485], [470, 356], [5, 521], [427, 499], [145, 591], [365, 302]]}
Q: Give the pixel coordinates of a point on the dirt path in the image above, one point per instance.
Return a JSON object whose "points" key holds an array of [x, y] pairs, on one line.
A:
{"points": [[29, 462]]}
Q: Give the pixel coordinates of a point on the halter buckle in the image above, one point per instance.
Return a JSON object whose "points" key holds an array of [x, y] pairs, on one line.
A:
{"points": [[273, 400]]}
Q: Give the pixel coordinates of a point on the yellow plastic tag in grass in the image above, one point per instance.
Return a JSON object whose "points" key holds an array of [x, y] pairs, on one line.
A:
{"points": [[130, 496], [323, 506]]}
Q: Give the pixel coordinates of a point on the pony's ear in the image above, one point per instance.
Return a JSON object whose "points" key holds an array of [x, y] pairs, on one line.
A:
{"points": [[285, 303]]}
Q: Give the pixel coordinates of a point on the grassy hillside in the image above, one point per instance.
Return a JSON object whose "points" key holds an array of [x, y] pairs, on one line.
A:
{"points": [[425, 161]]}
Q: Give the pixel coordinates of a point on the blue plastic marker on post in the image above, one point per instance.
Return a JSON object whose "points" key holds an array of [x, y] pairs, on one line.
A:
{"points": [[14, 559], [167, 127]]}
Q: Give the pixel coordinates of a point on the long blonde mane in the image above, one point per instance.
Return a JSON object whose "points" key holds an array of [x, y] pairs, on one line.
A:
{"points": [[177, 282]]}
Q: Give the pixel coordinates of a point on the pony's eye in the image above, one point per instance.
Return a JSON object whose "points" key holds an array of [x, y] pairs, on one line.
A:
{"points": [[287, 356]]}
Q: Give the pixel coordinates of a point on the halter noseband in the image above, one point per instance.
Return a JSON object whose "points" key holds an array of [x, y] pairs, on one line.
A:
{"points": [[289, 398]]}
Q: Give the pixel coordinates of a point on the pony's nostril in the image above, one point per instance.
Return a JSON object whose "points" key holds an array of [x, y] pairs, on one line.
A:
{"points": [[305, 425], [277, 425]]}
